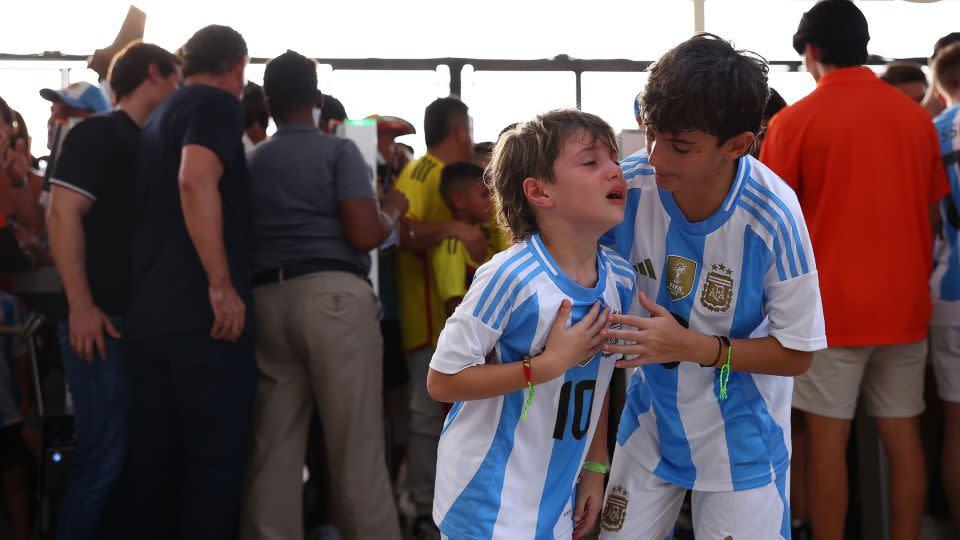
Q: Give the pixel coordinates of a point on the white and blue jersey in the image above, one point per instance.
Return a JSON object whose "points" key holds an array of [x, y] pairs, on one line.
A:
{"points": [[498, 477], [747, 271], [12, 313], [945, 279]]}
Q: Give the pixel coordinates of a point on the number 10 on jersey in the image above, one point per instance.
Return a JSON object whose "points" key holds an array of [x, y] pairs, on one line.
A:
{"points": [[582, 395]]}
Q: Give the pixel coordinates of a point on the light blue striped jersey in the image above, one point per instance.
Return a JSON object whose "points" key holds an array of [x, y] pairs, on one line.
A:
{"points": [[12, 313], [498, 477], [747, 271], [945, 279]]}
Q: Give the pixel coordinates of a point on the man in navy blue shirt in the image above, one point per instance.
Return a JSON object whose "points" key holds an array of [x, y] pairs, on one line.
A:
{"points": [[91, 240], [194, 374]]}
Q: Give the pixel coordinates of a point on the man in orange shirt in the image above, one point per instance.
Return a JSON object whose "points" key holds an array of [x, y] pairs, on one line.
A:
{"points": [[865, 162]]}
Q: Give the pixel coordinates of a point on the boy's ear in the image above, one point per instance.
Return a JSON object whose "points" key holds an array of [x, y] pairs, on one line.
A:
{"points": [[533, 190], [738, 145], [456, 198], [811, 52], [153, 73]]}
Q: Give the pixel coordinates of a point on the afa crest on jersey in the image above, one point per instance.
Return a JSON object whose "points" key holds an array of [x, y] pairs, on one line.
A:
{"points": [[615, 511], [717, 294]]}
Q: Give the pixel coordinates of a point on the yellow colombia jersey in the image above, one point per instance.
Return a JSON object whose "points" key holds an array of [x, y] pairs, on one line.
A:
{"points": [[453, 268], [421, 310]]}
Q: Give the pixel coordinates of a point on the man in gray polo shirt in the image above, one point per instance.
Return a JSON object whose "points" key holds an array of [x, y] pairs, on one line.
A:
{"points": [[315, 219]]}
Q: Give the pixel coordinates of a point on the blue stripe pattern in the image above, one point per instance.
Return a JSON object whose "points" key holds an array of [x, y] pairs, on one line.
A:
{"points": [[508, 299], [950, 282], [564, 465], [773, 233], [493, 281], [801, 251], [500, 294], [781, 483], [676, 461], [638, 402], [451, 416], [949, 286], [781, 228], [474, 513]]}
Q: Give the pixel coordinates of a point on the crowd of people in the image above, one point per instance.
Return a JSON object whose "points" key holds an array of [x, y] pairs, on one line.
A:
{"points": [[755, 271]]}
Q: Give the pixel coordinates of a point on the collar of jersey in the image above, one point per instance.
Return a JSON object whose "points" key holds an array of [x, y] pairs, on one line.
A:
{"points": [[712, 223], [564, 283]]}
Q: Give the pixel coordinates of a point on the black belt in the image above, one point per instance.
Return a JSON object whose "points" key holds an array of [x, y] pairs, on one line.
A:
{"points": [[297, 269]]}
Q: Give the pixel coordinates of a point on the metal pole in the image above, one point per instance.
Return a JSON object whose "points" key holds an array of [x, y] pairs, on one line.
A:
{"points": [[456, 78], [698, 20], [578, 77]]}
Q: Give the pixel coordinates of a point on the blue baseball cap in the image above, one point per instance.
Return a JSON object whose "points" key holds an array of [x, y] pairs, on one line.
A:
{"points": [[79, 95]]}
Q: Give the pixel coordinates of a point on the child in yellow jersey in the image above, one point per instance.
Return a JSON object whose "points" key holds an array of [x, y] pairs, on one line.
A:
{"points": [[467, 197]]}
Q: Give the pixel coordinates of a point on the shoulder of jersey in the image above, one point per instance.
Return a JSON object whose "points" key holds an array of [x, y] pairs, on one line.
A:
{"points": [[498, 282], [422, 168], [618, 267], [764, 183], [637, 170]]}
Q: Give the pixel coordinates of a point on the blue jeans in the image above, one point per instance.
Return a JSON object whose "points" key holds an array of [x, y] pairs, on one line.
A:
{"points": [[101, 394]]}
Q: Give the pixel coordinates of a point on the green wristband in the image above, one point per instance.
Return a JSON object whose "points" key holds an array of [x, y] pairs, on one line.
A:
{"points": [[596, 467]]}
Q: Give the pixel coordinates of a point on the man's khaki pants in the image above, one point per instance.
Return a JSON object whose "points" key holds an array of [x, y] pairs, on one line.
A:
{"points": [[318, 341]]}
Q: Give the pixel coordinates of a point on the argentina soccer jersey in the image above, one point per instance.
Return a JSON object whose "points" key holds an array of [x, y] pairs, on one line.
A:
{"points": [[748, 271], [508, 312]]}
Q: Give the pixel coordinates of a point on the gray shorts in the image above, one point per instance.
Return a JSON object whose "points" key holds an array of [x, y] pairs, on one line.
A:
{"points": [[890, 376], [945, 356]]}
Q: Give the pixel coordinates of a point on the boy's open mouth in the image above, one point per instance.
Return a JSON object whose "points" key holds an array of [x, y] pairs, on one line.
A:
{"points": [[616, 194]]}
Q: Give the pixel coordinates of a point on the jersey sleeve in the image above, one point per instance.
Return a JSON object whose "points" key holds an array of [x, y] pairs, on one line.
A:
{"points": [[793, 304], [449, 265], [413, 190], [467, 339], [82, 164]]}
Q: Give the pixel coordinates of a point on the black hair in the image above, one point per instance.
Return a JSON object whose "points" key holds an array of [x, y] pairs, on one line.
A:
{"points": [[838, 29], [332, 108], [290, 84], [774, 104], [214, 49], [705, 84], [903, 72], [131, 66], [455, 176], [441, 117], [254, 106]]}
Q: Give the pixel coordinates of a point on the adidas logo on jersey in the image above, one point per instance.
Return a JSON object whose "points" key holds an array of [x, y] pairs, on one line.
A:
{"points": [[645, 268]]}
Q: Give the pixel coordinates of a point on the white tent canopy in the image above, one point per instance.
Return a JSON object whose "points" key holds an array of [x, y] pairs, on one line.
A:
{"points": [[635, 29], [494, 29]]}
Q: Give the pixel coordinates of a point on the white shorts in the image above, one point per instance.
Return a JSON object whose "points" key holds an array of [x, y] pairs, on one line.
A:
{"points": [[945, 355], [640, 506]]}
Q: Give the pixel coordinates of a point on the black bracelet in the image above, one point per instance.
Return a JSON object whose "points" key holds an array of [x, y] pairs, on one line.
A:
{"points": [[719, 350]]}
